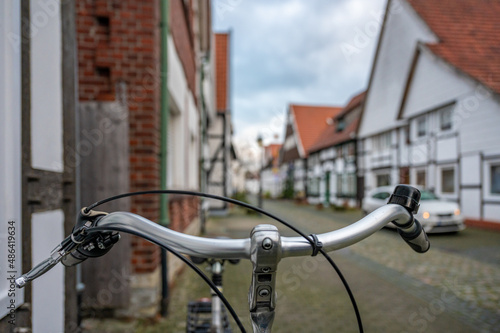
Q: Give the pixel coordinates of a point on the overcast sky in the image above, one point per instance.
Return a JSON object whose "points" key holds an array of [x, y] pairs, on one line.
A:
{"points": [[294, 51]]}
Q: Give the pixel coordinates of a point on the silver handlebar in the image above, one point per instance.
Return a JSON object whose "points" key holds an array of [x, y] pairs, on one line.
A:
{"points": [[240, 248], [265, 248]]}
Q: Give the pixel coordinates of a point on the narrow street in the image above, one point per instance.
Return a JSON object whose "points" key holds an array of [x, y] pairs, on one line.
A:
{"points": [[455, 287]]}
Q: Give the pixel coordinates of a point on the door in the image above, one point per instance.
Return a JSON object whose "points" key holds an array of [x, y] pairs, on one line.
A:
{"points": [[404, 175]]}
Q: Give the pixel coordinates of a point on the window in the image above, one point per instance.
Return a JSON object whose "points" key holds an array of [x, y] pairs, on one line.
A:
{"points": [[289, 143], [427, 195], [381, 195], [421, 126], [341, 125], [350, 149], [313, 186], [339, 152], [445, 118], [448, 180], [495, 179], [421, 175], [383, 180], [346, 185], [382, 142]]}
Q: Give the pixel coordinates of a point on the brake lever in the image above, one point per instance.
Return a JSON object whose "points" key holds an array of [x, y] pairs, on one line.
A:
{"points": [[41, 268], [75, 248]]}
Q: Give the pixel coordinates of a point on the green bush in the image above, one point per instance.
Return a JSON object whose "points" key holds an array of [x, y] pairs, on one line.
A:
{"points": [[242, 196]]}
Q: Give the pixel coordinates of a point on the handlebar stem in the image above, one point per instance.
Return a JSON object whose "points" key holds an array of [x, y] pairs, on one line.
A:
{"points": [[265, 256]]}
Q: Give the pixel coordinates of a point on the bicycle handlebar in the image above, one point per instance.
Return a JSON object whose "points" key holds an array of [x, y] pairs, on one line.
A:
{"points": [[408, 227], [93, 236], [240, 248]]}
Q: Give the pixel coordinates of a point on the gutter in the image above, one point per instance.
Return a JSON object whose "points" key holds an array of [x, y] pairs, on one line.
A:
{"points": [[203, 141], [165, 114]]}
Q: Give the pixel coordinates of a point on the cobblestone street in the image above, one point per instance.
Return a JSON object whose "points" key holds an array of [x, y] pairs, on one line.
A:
{"points": [[452, 288]]}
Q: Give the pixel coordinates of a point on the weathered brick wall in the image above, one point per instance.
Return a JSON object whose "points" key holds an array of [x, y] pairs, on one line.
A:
{"points": [[181, 23], [119, 43], [183, 210]]}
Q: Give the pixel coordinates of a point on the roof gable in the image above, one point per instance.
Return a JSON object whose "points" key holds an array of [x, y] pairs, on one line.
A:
{"points": [[402, 28], [310, 122], [432, 84], [469, 35], [330, 136]]}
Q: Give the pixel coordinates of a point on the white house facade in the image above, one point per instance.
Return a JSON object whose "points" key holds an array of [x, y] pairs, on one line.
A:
{"points": [[431, 118], [454, 137]]}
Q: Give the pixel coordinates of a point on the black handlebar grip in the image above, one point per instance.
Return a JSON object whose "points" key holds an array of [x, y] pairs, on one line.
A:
{"points": [[417, 239], [406, 196]]}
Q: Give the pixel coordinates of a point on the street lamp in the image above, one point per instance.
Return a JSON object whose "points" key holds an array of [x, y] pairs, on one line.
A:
{"points": [[260, 143]]}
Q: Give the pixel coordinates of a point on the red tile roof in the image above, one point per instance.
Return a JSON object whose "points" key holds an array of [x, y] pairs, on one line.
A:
{"points": [[273, 149], [469, 33], [311, 122], [354, 102], [272, 154], [222, 71], [330, 137]]}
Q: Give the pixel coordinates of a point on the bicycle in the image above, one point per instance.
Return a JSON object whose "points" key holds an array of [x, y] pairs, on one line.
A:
{"points": [[96, 232], [209, 315]]}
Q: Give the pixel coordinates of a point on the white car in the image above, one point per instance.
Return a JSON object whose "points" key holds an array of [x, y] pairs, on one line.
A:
{"points": [[435, 215]]}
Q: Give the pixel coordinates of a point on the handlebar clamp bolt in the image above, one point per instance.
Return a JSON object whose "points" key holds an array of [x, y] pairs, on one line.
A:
{"points": [[263, 292], [267, 244]]}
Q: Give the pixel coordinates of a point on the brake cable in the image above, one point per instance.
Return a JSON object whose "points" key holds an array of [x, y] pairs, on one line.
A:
{"points": [[312, 239]]}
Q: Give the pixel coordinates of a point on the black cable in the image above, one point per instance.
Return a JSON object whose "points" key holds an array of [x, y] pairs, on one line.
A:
{"points": [[347, 288], [211, 284], [310, 239], [191, 265]]}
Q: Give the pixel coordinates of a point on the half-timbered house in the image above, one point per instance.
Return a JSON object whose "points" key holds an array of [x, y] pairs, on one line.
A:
{"points": [[432, 110], [304, 124]]}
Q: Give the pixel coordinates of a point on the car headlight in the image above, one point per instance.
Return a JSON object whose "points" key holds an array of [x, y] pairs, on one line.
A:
{"points": [[426, 215], [457, 212]]}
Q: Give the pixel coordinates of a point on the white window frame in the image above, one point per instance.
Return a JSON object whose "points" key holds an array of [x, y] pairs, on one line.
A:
{"points": [[450, 109], [382, 173], [421, 120], [382, 142], [487, 180], [439, 184], [415, 177]]}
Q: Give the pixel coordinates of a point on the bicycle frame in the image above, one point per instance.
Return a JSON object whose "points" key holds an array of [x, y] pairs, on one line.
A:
{"points": [[197, 310]]}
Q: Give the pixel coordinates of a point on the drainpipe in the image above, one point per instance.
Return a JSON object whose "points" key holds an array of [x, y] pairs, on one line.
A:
{"points": [[165, 113], [203, 141]]}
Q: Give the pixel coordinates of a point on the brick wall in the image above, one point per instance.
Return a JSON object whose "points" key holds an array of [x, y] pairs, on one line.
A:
{"points": [[181, 23], [183, 210], [119, 43]]}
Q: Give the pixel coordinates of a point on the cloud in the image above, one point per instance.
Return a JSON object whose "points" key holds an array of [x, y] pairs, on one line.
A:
{"points": [[291, 51]]}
